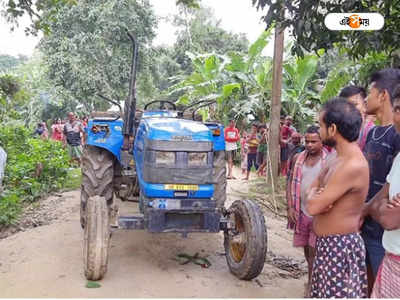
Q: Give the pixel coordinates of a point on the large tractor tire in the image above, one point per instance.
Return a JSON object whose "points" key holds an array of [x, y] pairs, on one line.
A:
{"points": [[96, 238], [219, 178], [97, 177], [246, 243]]}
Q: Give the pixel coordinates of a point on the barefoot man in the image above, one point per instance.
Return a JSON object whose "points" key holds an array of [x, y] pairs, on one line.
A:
{"points": [[232, 136], [306, 168], [335, 200]]}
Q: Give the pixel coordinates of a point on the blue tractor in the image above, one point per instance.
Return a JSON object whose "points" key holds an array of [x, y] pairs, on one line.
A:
{"points": [[174, 166]]}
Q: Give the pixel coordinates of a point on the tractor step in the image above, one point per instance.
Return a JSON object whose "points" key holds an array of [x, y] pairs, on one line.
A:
{"points": [[130, 222]]}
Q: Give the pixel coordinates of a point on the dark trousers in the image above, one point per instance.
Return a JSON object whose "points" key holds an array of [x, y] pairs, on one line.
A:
{"points": [[251, 159]]}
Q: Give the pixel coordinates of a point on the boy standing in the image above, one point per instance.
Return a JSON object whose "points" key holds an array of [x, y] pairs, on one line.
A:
{"points": [[262, 150], [285, 135], [386, 211], [335, 200], [232, 136], [252, 145], [356, 95], [381, 146]]}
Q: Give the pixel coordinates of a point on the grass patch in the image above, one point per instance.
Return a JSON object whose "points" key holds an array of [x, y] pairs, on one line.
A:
{"points": [[74, 179], [10, 208], [34, 168], [92, 284]]}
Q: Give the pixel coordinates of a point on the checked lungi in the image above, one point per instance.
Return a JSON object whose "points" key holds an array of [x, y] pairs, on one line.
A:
{"points": [[387, 283], [339, 269]]}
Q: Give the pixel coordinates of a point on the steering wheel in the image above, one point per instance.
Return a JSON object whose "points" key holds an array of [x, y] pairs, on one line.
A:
{"points": [[162, 104]]}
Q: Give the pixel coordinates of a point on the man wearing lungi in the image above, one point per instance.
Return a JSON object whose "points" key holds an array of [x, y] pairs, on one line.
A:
{"points": [[335, 200], [306, 168], [387, 212]]}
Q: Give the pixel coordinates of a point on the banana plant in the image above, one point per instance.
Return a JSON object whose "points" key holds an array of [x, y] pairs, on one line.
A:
{"points": [[299, 96], [239, 83]]}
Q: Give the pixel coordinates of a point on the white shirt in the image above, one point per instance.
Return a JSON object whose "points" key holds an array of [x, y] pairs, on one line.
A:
{"points": [[230, 146], [391, 238]]}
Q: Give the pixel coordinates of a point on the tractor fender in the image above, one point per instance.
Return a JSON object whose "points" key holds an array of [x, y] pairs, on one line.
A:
{"points": [[219, 138], [111, 139]]}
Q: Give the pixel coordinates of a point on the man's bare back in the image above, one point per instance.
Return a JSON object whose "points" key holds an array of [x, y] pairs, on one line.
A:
{"points": [[340, 191]]}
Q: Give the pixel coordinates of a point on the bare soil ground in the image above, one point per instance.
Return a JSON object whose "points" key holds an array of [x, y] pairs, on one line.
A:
{"points": [[45, 259]]}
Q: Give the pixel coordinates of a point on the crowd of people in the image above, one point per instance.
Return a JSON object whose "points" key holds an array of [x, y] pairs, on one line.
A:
{"points": [[343, 188], [71, 132], [343, 193], [254, 147]]}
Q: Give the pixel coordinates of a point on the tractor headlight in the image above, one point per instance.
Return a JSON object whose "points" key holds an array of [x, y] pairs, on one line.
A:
{"points": [[197, 159], [165, 158]]}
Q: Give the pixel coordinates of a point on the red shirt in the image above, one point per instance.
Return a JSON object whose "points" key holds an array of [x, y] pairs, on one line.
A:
{"points": [[286, 133], [231, 135], [57, 132]]}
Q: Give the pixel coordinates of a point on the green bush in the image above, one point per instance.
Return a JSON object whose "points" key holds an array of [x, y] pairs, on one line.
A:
{"points": [[10, 208], [34, 168]]}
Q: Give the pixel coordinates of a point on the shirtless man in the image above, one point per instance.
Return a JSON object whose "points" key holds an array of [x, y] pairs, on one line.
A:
{"points": [[335, 200]]}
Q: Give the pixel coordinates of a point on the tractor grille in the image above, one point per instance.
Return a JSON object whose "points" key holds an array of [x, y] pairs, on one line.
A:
{"points": [[185, 146], [178, 167]]}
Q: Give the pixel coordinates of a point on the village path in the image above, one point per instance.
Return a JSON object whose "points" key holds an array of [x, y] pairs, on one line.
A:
{"points": [[46, 261]]}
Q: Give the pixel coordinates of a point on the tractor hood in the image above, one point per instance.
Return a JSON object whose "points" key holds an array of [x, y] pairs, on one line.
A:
{"points": [[172, 129], [183, 137]]}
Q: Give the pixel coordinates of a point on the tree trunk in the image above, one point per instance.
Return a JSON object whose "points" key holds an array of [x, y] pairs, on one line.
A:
{"points": [[187, 25], [274, 150]]}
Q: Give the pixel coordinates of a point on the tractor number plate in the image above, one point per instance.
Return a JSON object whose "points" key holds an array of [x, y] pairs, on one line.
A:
{"points": [[182, 187]]}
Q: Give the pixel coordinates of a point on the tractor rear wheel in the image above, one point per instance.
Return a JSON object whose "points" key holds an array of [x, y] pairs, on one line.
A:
{"points": [[219, 178], [96, 238], [246, 243], [97, 177]]}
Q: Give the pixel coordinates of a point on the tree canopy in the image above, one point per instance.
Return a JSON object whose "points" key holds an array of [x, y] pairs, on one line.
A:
{"points": [[43, 13], [198, 31], [306, 20], [9, 62], [89, 51]]}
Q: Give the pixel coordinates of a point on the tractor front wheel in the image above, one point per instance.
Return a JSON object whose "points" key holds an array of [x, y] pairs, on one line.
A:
{"points": [[96, 238], [245, 241]]}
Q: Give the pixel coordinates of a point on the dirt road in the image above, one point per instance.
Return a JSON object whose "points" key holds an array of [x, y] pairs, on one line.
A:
{"points": [[47, 262]]}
